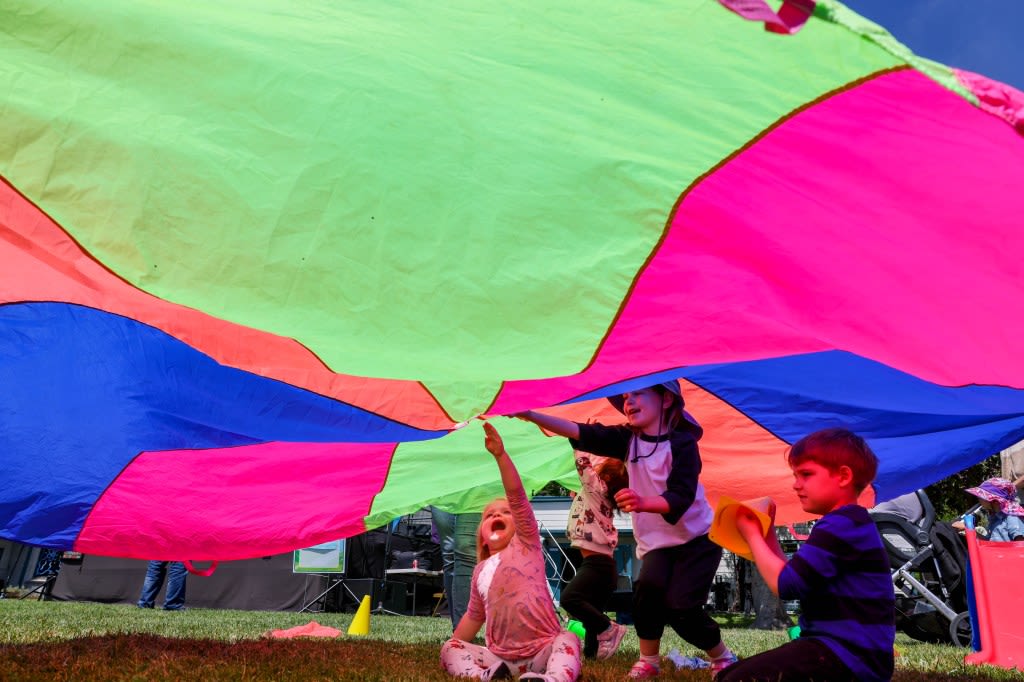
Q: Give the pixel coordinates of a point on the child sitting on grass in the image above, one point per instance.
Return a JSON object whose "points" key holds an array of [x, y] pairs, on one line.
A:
{"points": [[840, 575], [524, 637]]}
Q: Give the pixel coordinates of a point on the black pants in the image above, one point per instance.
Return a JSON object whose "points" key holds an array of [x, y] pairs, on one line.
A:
{"points": [[586, 597], [672, 589], [802, 660]]}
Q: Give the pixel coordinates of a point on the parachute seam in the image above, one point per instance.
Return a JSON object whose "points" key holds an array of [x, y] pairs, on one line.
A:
{"points": [[677, 206]]}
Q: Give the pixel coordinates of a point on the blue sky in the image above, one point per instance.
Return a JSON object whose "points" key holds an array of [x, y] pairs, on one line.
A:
{"points": [[984, 36]]}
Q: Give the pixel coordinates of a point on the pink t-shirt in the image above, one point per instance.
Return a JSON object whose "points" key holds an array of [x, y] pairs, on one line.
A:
{"points": [[518, 610]]}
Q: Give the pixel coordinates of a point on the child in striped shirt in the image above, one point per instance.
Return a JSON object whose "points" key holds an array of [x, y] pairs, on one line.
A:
{"points": [[840, 575]]}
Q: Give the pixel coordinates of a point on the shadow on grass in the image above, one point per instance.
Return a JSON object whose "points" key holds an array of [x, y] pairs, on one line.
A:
{"points": [[730, 619], [150, 657]]}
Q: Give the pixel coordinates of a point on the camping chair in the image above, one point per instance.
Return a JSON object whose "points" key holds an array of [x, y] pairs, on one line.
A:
{"points": [[441, 602]]}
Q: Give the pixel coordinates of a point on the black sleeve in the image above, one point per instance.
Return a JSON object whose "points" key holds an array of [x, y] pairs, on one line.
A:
{"points": [[606, 441], [681, 488]]}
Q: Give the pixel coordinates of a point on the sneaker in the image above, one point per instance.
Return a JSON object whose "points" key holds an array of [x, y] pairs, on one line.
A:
{"points": [[642, 670], [720, 664], [609, 640]]}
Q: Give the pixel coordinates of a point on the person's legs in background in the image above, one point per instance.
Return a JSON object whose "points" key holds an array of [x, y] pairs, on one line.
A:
{"points": [[444, 526], [174, 600], [587, 595], [465, 562], [155, 572]]}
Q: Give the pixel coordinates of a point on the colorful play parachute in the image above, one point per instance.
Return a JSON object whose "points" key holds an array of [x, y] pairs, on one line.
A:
{"points": [[262, 264]]}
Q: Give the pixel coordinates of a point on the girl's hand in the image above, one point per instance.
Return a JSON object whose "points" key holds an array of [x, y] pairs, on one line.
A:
{"points": [[492, 441], [628, 500]]}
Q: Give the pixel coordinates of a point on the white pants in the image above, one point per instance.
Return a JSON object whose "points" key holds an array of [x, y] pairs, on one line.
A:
{"points": [[559, 661]]}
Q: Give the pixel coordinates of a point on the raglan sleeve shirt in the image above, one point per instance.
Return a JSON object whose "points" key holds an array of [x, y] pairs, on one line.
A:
{"points": [[607, 441]]}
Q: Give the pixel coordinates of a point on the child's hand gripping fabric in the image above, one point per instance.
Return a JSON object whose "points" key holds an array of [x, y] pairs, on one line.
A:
{"points": [[493, 442]]}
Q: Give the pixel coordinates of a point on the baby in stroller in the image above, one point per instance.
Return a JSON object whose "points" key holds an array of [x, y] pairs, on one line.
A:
{"points": [[929, 570]]}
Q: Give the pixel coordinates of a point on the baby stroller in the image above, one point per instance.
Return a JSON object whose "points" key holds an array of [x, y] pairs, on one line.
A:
{"points": [[929, 573]]}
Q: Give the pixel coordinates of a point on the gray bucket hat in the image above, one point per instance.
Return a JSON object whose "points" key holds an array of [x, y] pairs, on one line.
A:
{"points": [[688, 422]]}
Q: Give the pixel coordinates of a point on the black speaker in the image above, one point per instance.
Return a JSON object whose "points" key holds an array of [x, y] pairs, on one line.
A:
{"points": [[391, 595], [359, 588], [396, 597]]}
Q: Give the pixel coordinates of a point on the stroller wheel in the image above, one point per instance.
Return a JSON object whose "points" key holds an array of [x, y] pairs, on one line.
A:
{"points": [[960, 630]]}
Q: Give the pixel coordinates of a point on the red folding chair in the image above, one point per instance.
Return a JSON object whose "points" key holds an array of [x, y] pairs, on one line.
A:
{"points": [[996, 568]]}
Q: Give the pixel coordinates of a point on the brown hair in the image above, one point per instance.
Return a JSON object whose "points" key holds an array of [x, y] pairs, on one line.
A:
{"points": [[834, 448], [674, 412], [613, 473]]}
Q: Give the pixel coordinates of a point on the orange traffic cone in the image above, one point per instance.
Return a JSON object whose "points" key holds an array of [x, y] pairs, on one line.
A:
{"points": [[360, 625]]}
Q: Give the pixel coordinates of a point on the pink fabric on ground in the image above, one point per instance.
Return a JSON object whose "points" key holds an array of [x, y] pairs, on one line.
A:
{"points": [[772, 253], [302, 493], [310, 629]]}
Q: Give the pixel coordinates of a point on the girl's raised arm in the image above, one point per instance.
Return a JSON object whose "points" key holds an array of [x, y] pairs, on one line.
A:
{"points": [[509, 474], [526, 523], [559, 425]]}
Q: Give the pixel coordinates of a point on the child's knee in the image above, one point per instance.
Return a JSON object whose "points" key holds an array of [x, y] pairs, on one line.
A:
{"points": [[454, 654]]}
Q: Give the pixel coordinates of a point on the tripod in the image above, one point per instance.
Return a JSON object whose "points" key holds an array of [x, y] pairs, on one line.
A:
{"points": [[334, 579], [384, 571], [332, 583]]}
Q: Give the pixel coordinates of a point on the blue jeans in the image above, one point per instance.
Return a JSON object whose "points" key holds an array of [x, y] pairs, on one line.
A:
{"points": [[174, 600], [457, 536], [465, 561], [444, 526]]}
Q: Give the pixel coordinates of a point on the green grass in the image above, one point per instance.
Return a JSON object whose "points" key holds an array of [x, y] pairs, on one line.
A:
{"points": [[83, 641]]}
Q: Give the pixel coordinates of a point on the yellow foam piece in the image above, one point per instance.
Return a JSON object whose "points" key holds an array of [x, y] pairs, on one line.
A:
{"points": [[723, 527]]}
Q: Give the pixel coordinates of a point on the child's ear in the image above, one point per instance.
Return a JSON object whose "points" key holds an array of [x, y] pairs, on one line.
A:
{"points": [[845, 475]]}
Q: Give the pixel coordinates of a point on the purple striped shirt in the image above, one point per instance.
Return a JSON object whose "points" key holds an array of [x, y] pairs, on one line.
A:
{"points": [[841, 577]]}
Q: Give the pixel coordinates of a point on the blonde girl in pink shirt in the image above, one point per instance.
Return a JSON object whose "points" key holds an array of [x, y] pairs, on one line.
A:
{"points": [[524, 637]]}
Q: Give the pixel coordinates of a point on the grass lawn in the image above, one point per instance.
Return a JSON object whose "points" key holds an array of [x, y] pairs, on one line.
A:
{"points": [[84, 641]]}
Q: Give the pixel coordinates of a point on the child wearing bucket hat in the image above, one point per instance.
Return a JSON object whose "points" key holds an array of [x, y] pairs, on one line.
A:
{"points": [[999, 500], [670, 514]]}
